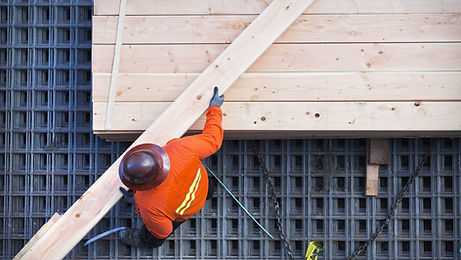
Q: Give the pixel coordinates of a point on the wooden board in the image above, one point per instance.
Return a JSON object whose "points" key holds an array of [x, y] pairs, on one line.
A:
{"points": [[174, 122], [38, 235], [377, 154], [308, 28], [372, 176], [287, 87], [378, 151], [158, 7], [301, 116], [286, 57], [115, 63]]}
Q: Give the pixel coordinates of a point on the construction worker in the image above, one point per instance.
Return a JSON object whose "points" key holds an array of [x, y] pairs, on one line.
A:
{"points": [[170, 183]]}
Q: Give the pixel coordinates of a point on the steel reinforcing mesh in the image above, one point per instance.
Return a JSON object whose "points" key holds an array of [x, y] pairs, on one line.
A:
{"points": [[49, 157]]}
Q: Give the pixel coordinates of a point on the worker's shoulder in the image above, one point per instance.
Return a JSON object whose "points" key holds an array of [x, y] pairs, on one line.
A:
{"points": [[178, 146], [172, 140], [189, 141]]}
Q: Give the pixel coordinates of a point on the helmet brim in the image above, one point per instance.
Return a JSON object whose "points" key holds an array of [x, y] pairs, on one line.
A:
{"points": [[159, 176]]}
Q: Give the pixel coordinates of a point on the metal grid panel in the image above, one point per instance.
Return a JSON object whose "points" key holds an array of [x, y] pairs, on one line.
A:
{"points": [[48, 158]]}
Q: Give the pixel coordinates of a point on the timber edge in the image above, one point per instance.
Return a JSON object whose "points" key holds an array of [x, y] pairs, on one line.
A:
{"points": [[122, 136]]}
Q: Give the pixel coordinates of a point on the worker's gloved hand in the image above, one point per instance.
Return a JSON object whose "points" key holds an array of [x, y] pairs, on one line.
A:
{"points": [[216, 100], [127, 195]]}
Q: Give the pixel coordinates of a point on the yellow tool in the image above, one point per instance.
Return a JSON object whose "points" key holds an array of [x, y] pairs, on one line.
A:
{"points": [[313, 250]]}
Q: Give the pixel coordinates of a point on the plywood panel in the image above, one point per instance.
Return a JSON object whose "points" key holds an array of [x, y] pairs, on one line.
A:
{"points": [[142, 7], [301, 116], [308, 28], [286, 57], [347, 86]]}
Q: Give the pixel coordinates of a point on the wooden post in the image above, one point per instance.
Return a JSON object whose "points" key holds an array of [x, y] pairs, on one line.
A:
{"points": [[377, 154], [86, 212]]}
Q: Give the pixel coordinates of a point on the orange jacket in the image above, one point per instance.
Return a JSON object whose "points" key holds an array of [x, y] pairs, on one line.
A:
{"points": [[184, 191]]}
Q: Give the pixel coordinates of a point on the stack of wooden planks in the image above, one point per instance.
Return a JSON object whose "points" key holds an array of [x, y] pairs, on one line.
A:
{"points": [[347, 68]]}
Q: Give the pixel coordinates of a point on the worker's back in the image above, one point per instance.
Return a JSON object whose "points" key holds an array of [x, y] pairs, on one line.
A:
{"points": [[184, 191]]}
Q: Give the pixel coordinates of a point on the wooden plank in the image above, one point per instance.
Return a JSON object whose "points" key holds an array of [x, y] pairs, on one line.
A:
{"points": [[372, 175], [342, 86], [308, 28], [158, 7], [301, 116], [174, 122], [377, 154], [286, 57], [38, 235], [378, 151], [115, 63]]}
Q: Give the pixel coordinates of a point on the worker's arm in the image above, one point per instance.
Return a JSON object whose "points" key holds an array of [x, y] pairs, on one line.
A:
{"points": [[210, 140]]}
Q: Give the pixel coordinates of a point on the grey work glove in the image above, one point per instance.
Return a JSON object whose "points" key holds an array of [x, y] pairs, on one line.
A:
{"points": [[216, 100], [127, 195]]}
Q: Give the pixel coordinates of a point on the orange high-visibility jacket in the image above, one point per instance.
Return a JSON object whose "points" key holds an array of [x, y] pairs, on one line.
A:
{"points": [[184, 191]]}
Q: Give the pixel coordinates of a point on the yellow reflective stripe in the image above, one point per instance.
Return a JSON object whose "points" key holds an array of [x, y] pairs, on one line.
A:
{"points": [[193, 196], [191, 189]]}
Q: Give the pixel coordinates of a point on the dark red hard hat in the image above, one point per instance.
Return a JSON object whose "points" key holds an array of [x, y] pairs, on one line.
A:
{"points": [[144, 167]]}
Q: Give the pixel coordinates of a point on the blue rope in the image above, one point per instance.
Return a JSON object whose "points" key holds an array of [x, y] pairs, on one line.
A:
{"points": [[240, 204], [104, 234]]}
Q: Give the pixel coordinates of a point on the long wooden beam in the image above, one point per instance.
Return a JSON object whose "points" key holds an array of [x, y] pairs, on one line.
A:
{"points": [[86, 212], [289, 87], [115, 64], [307, 28], [37, 235], [286, 57], [302, 116], [141, 7]]}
